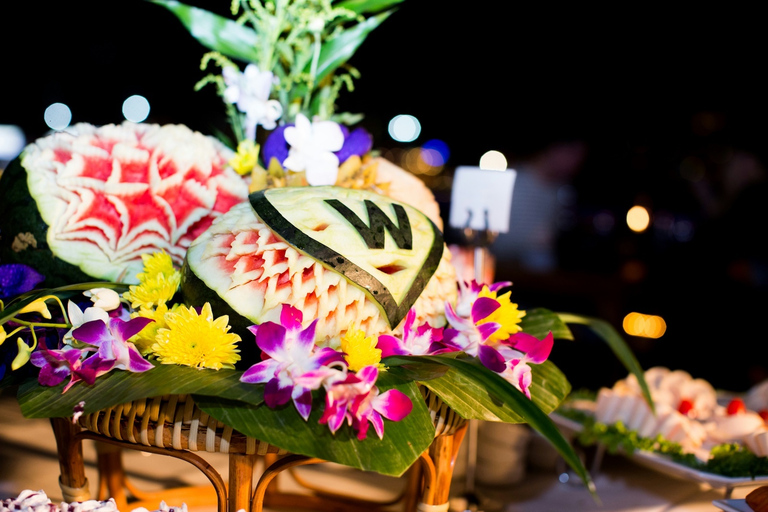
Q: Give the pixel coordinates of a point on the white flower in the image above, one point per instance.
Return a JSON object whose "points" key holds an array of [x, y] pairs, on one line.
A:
{"points": [[250, 91], [103, 298], [312, 147], [77, 317]]}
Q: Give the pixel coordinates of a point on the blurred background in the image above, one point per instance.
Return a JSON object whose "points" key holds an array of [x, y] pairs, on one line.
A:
{"points": [[639, 136]]}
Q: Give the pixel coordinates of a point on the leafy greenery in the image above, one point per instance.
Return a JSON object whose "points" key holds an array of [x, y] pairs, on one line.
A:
{"points": [[730, 459]]}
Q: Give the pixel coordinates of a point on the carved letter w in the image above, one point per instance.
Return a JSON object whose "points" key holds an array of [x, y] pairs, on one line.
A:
{"points": [[374, 235]]}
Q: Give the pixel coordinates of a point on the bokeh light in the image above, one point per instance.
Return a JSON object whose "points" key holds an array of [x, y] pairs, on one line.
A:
{"points": [[493, 161], [136, 108], [57, 116], [638, 219], [12, 141], [436, 152], [644, 326], [404, 128]]}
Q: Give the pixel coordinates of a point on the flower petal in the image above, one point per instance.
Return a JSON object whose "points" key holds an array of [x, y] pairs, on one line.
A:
{"points": [[491, 358], [260, 373], [391, 346], [302, 399], [274, 395], [482, 307], [393, 405]]}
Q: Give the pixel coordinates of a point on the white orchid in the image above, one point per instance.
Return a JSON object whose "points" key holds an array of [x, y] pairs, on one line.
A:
{"points": [[312, 145], [250, 91], [103, 298], [78, 317]]}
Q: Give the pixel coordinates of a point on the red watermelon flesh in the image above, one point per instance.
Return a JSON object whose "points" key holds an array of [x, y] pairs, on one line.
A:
{"points": [[109, 194]]}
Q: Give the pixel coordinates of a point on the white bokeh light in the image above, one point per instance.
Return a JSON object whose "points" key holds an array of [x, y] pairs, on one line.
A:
{"points": [[493, 161], [12, 141], [404, 128], [57, 116], [136, 108]]}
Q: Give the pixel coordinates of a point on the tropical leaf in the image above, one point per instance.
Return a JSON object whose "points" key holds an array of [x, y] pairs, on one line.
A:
{"points": [[539, 322], [338, 50], [119, 387], [366, 6], [216, 32], [617, 344], [403, 443], [63, 293], [470, 388]]}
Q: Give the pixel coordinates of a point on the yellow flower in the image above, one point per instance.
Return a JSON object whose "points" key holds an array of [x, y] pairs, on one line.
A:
{"points": [[37, 306], [153, 291], [196, 340], [507, 315], [146, 337], [360, 351], [246, 157], [159, 263]]}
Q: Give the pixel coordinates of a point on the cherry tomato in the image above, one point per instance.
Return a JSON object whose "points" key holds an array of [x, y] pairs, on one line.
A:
{"points": [[685, 406], [736, 406]]}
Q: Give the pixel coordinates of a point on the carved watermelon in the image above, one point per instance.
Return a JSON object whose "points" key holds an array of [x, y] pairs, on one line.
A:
{"points": [[352, 259], [85, 204]]}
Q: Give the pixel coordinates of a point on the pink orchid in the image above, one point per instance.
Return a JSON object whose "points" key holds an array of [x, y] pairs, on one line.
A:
{"points": [[290, 355], [520, 350], [423, 340], [468, 336], [357, 400]]}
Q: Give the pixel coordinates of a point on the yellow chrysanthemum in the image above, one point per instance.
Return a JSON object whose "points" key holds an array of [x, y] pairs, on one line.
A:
{"points": [[159, 263], [246, 157], [196, 340], [151, 292], [507, 315], [146, 337], [360, 351]]}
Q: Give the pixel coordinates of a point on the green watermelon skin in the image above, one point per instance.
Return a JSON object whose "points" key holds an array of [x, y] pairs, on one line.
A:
{"points": [[19, 215]]}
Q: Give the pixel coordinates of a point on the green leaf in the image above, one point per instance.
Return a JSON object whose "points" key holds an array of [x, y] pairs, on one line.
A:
{"points": [[338, 50], [403, 443], [366, 6], [463, 385], [539, 322], [216, 32], [616, 344], [63, 293], [117, 387], [472, 389]]}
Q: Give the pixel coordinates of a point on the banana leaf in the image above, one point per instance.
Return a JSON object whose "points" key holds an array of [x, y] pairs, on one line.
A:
{"points": [[117, 387], [475, 392], [216, 32], [617, 345], [403, 442]]}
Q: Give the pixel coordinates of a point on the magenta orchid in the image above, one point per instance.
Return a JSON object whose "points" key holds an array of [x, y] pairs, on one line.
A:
{"points": [[422, 340], [520, 350], [357, 400], [111, 340], [469, 291], [290, 354], [57, 365], [470, 336]]}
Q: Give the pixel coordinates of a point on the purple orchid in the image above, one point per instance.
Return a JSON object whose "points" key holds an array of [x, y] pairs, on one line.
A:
{"points": [[17, 278], [291, 357], [423, 340], [468, 336], [57, 365], [520, 350], [112, 342], [358, 142], [357, 400]]}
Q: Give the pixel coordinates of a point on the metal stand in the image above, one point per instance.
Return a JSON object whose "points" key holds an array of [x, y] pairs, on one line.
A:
{"points": [[479, 240]]}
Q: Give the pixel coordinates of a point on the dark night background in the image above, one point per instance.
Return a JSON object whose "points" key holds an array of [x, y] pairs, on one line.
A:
{"points": [[654, 91]]}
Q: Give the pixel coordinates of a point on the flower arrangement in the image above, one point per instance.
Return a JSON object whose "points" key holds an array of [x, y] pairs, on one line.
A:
{"points": [[89, 345]]}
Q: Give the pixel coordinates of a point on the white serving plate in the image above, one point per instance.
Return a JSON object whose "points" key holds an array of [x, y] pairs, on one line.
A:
{"points": [[732, 505], [665, 465]]}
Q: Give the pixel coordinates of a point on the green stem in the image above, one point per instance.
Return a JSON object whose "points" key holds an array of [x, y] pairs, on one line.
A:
{"points": [[40, 324]]}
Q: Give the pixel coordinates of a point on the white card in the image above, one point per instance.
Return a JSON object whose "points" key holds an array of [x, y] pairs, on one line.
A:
{"points": [[481, 199]]}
